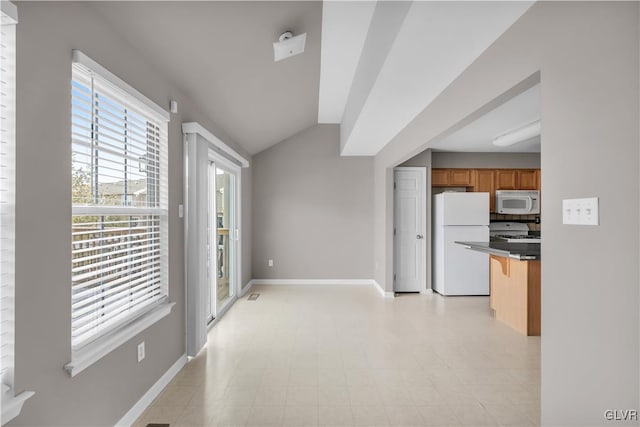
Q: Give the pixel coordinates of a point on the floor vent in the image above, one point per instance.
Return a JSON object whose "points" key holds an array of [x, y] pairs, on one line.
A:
{"points": [[253, 297], [157, 425]]}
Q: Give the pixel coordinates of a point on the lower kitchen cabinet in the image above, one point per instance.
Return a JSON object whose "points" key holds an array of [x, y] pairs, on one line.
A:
{"points": [[515, 293]]}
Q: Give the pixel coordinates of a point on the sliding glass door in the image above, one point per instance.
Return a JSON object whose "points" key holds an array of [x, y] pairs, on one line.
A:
{"points": [[222, 239]]}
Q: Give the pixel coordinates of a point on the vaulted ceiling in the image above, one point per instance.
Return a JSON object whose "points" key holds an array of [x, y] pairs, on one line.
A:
{"points": [[370, 66], [220, 54]]}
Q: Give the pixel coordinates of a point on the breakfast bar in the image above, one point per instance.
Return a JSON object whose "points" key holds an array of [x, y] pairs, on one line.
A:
{"points": [[514, 283]]}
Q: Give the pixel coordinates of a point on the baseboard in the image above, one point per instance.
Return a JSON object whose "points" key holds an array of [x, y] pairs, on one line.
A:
{"points": [[331, 282], [246, 289], [305, 282], [382, 291], [134, 413]]}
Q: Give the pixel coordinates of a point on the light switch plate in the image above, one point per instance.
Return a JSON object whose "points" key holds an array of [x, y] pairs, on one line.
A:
{"points": [[141, 353], [580, 211]]}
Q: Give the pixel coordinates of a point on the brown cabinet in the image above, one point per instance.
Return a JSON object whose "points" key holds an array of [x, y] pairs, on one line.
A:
{"points": [[527, 180], [484, 182], [451, 178], [440, 177], [515, 293], [460, 177], [506, 179], [487, 180]]}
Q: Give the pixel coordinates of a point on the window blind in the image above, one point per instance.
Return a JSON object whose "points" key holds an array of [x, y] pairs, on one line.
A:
{"points": [[120, 216], [7, 197]]}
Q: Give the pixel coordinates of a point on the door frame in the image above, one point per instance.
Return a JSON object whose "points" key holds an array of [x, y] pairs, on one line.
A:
{"points": [[427, 236], [216, 159], [199, 143]]}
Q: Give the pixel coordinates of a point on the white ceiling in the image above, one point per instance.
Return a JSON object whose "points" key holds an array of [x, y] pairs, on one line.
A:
{"points": [[344, 30], [478, 135], [220, 54], [434, 45]]}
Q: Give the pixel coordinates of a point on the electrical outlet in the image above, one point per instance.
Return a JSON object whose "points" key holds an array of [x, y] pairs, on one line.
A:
{"points": [[141, 352], [270, 263]]}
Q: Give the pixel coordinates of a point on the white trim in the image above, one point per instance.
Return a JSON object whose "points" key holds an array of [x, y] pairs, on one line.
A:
{"points": [[81, 58], [330, 282], [305, 282], [245, 289], [196, 128], [10, 11], [136, 410], [12, 406], [384, 293], [85, 357]]}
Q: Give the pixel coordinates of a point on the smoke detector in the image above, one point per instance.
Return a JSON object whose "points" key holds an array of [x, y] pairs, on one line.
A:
{"points": [[288, 45]]}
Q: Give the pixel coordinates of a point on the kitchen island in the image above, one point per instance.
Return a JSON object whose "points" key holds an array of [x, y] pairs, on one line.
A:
{"points": [[514, 283]]}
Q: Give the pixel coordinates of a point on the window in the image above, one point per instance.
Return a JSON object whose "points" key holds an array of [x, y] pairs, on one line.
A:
{"points": [[119, 205], [11, 404]]}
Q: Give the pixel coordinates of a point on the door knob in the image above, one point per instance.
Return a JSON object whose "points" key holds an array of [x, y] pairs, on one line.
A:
{"points": [[419, 236]]}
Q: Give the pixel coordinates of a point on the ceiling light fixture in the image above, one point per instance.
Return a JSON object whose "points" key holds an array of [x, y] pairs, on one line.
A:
{"points": [[518, 135], [288, 45]]}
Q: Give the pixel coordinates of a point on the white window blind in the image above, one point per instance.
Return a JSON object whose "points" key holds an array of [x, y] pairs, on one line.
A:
{"points": [[120, 205], [7, 198]]}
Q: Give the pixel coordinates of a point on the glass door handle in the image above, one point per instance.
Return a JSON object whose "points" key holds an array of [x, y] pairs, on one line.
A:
{"points": [[419, 236]]}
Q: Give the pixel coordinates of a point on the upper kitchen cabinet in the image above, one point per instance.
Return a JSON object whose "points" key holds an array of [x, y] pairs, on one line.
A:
{"points": [[506, 179], [440, 177], [460, 177], [527, 180], [451, 178], [484, 182], [487, 180]]}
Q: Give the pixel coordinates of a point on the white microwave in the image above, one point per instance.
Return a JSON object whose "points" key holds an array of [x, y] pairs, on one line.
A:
{"points": [[517, 202]]}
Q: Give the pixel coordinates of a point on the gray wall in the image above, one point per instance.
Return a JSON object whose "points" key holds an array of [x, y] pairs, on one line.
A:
{"points": [[419, 160], [312, 209], [485, 160], [587, 55], [442, 159], [101, 394]]}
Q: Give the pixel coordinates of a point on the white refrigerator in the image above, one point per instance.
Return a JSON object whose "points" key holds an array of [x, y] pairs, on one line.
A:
{"points": [[460, 217]]}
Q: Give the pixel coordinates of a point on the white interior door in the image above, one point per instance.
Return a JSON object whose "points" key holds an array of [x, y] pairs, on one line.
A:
{"points": [[409, 229]]}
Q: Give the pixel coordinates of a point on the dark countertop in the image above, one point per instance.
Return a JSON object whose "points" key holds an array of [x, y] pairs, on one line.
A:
{"points": [[520, 251]]}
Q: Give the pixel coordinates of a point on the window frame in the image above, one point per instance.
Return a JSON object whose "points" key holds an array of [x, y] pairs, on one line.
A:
{"points": [[111, 338]]}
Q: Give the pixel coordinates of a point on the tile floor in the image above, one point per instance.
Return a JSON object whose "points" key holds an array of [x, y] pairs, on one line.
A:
{"points": [[344, 356]]}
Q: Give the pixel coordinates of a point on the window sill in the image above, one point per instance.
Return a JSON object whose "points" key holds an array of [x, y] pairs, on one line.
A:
{"points": [[86, 357], [12, 405]]}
